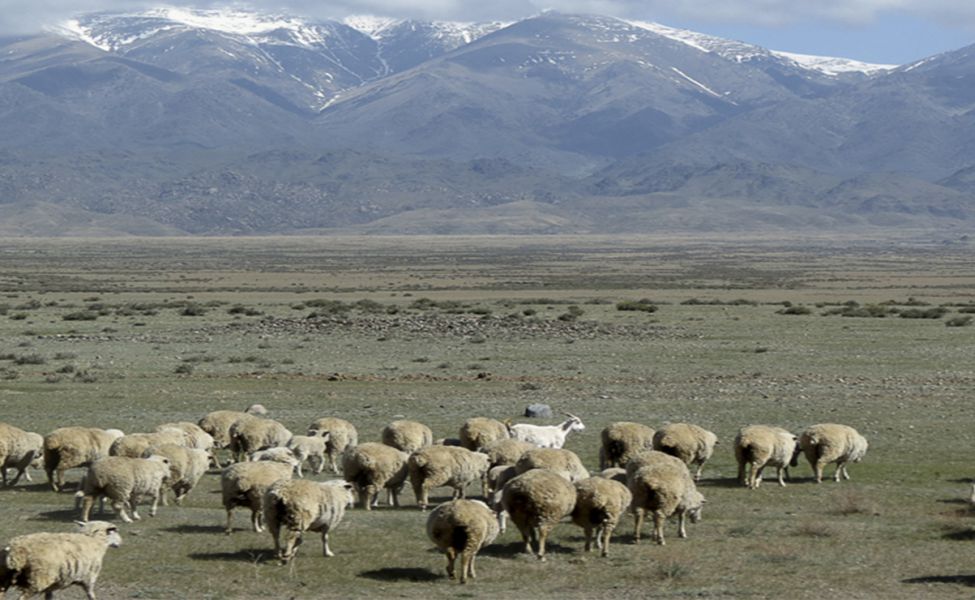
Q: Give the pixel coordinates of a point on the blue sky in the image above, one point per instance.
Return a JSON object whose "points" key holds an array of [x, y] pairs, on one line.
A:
{"points": [[881, 31]]}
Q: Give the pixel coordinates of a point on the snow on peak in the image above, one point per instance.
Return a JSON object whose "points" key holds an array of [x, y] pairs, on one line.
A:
{"points": [[371, 25], [833, 66]]}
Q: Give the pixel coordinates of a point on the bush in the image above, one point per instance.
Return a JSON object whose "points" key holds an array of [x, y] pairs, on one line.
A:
{"points": [[193, 310], [795, 310], [964, 321], [573, 313], [244, 310], [184, 369], [643, 305], [924, 313], [30, 359], [81, 315]]}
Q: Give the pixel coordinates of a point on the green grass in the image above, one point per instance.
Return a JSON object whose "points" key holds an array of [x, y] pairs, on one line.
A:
{"points": [[447, 352]]}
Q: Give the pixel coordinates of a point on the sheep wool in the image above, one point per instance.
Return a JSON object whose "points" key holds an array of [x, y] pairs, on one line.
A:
{"points": [[18, 450], [452, 466], [244, 484], [600, 503], [338, 434], [372, 467], [72, 447], [664, 490], [760, 446], [46, 562], [251, 435], [134, 445], [621, 440], [536, 501], [692, 444], [309, 448], [124, 480], [299, 505], [218, 424], [559, 460], [462, 527], [827, 443], [477, 432], [408, 436], [186, 467]]}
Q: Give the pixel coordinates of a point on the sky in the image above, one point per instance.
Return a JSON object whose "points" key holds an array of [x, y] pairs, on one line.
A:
{"points": [[879, 31]]}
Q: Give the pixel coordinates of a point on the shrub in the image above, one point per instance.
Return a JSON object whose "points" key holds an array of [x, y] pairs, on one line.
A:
{"points": [[573, 313], [184, 369], [18, 316], [244, 310], [963, 321], [795, 310], [924, 313], [81, 315], [644, 305], [30, 359], [193, 310]]}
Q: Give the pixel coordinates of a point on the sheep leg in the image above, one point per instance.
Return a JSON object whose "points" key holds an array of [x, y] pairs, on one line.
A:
{"points": [[781, 472], [682, 525], [291, 545], [89, 587], [298, 469], [119, 507], [638, 524], [697, 472], [818, 467], [326, 551], [603, 541], [256, 520], [134, 506], [86, 505], [424, 498], [588, 546], [743, 479], [526, 535], [757, 477], [230, 527], [155, 502], [658, 526], [467, 564], [840, 469], [393, 498], [451, 555], [542, 536]]}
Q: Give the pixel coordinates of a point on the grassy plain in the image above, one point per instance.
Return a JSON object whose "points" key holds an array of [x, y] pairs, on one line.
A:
{"points": [[441, 329]]}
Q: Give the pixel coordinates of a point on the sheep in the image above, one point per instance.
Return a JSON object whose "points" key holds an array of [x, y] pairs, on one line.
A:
{"points": [[447, 442], [478, 432], [124, 480], [339, 434], [551, 436], [690, 443], [71, 447], [614, 473], [561, 461], [497, 477], [464, 527], [194, 434], [536, 501], [503, 453], [279, 454], [760, 446], [828, 443], [244, 484], [452, 466], [309, 448], [134, 445], [251, 435], [664, 490], [186, 467], [301, 505], [622, 439], [18, 450], [599, 505], [218, 424], [408, 436], [46, 562], [371, 467]]}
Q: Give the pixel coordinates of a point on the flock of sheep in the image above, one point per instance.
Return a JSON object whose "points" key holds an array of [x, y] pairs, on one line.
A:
{"points": [[524, 472]]}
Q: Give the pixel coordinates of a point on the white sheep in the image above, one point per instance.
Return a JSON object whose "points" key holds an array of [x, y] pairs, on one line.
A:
{"points": [[339, 434], [622, 439], [218, 424], [436, 466], [832, 443], [372, 467], [124, 481], [71, 447], [309, 448], [536, 501], [760, 446], [408, 436], [244, 484], [18, 450], [477, 432], [497, 478], [664, 490], [461, 527], [503, 453], [564, 462], [46, 562], [134, 445], [186, 467], [252, 435], [614, 473], [545, 436], [692, 444], [600, 503], [300, 505], [279, 454], [194, 434]]}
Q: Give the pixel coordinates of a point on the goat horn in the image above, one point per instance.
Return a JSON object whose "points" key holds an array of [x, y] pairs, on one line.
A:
{"points": [[572, 416]]}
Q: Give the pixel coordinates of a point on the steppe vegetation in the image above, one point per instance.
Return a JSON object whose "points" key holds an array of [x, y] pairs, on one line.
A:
{"points": [[133, 333]]}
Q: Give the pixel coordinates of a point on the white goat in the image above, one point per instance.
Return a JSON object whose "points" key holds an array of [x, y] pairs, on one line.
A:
{"points": [[549, 436]]}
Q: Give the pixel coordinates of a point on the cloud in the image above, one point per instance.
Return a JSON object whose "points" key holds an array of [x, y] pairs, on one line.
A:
{"points": [[28, 15]]}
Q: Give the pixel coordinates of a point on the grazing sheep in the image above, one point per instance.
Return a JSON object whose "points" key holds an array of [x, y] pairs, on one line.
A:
{"points": [[218, 424], [831, 443], [497, 477], [299, 506], [559, 460], [760, 446], [461, 527], [257, 410], [309, 448], [194, 434], [186, 467], [18, 450], [621, 440], [124, 480], [281, 455], [614, 473], [478, 432], [255, 434], [408, 436], [339, 434], [371, 467], [599, 505], [436, 466], [690, 443], [536, 501], [244, 484], [134, 445], [550, 436], [503, 453], [45, 562], [72, 447], [664, 490]]}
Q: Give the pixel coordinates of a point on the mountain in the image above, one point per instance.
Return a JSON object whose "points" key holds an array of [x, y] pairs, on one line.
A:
{"points": [[176, 121]]}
